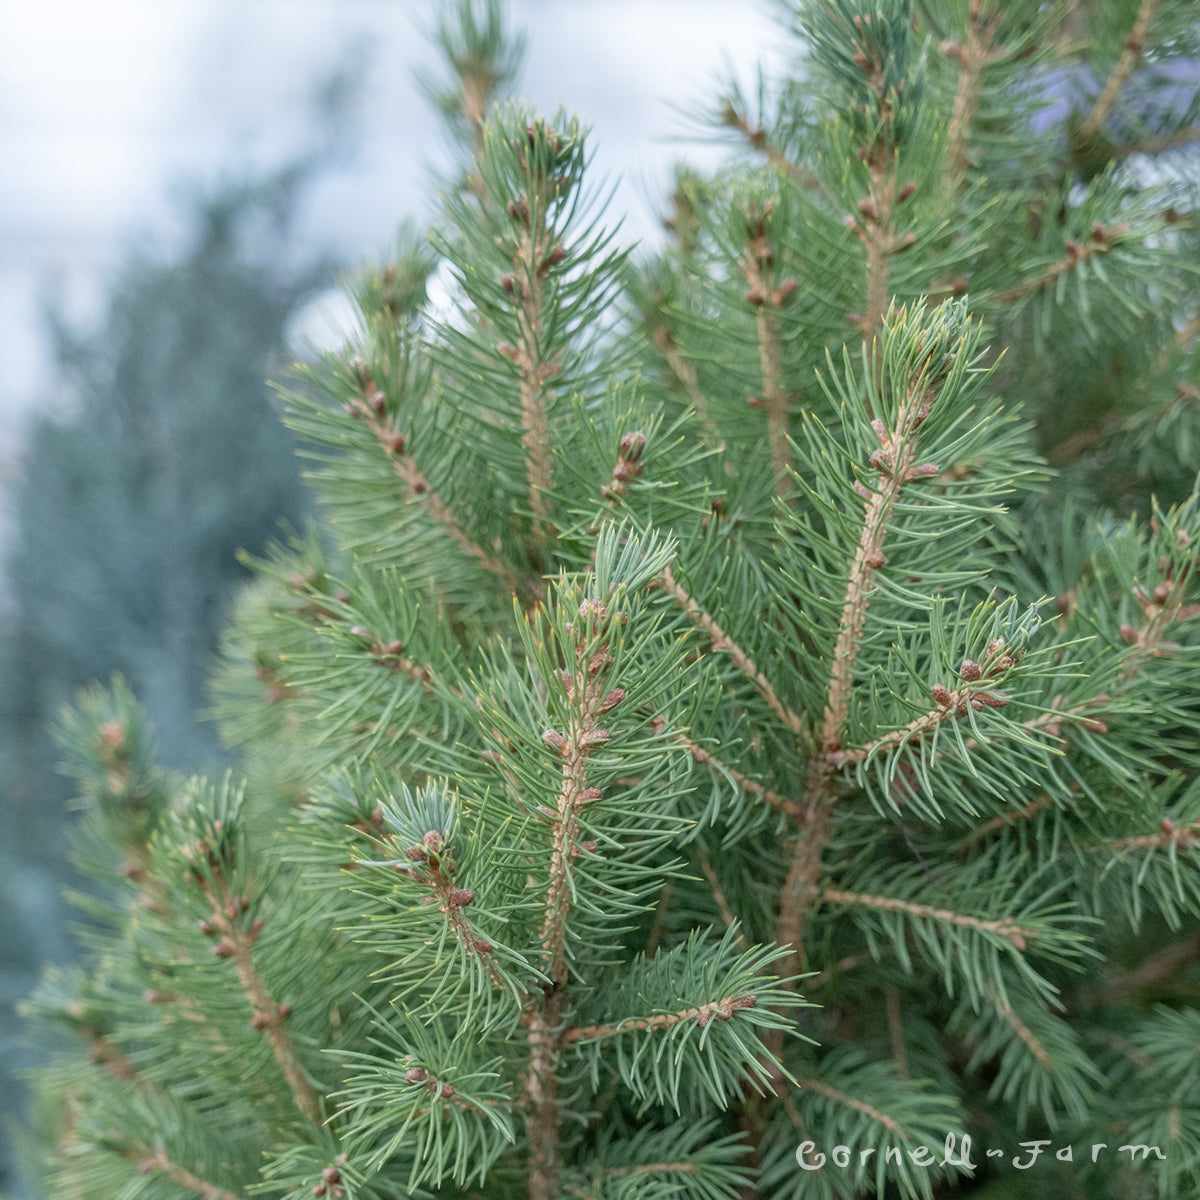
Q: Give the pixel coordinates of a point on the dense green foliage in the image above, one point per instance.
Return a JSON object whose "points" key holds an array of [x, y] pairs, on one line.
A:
{"points": [[703, 728]]}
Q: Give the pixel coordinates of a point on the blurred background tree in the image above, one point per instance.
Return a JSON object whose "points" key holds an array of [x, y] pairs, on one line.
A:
{"points": [[129, 513]]}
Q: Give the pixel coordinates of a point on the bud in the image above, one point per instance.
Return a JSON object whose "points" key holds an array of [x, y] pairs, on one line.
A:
{"points": [[416, 1075], [461, 897], [970, 671], [613, 698], [941, 695], [597, 738], [331, 1175], [868, 208], [433, 840], [876, 559], [554, 739], [632, 445], [906, 191], [784, 292], [1130, 635]]}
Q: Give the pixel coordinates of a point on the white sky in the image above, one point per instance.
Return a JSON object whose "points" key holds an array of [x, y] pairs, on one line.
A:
{"points": [[109, 107]]}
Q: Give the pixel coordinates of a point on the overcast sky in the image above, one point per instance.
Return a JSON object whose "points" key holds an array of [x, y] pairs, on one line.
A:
{"points": [[109, 110]]}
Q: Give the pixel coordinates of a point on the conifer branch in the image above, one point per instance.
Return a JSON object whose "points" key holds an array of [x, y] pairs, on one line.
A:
{"points": [[1135, 45], [1003, 927], [1023, 1032], [541, 1087], [896, 1032], [756, 138], [225, 922], [685, 373], [369, 407], [1101, 241], [707, 758], [104, 1053], [390, 655], [1186, 837], [952, 704], [428, 869], [972, 59], [715, 1010], [868, 1110], [536, 252], [996, 824], [156, 1160], [767, 299], [588, 697], [1157, 145], [720, 640], [894, 462]]}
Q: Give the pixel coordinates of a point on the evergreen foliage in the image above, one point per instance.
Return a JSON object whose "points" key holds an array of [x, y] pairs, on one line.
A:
{"points": [[705, 753]]}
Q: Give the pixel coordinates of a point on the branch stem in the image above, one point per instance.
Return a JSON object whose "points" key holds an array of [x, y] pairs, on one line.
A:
{"points": [[1135, 45]]}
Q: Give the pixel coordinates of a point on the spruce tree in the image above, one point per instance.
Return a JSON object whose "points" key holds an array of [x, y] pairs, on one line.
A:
{"points": [[705, 752]]}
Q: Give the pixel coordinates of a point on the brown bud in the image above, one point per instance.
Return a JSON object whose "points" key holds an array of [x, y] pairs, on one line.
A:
{"points": [[554, 257], [784, 292], [941, 695], [881, 460], [876, 559], [331, 1175], [207, 928], [907, 242], [906, 191], [868, 208], [922, 471], [1094, 726], [319, 1190], [508, 350], [591, 793], [590, 846], [554, 739], [1161, 593], [614, 697], [416, 1075], [951, 49], [756, 296], [461, 897], [995, 644], [396, 443], [994, 699], [970, 671], [285, 1011], [378, 401], [632, 445], [519, 211], [433, 840], [977, 704], [597, 738], [417, 854], [223, 949], [1130, 635]]}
